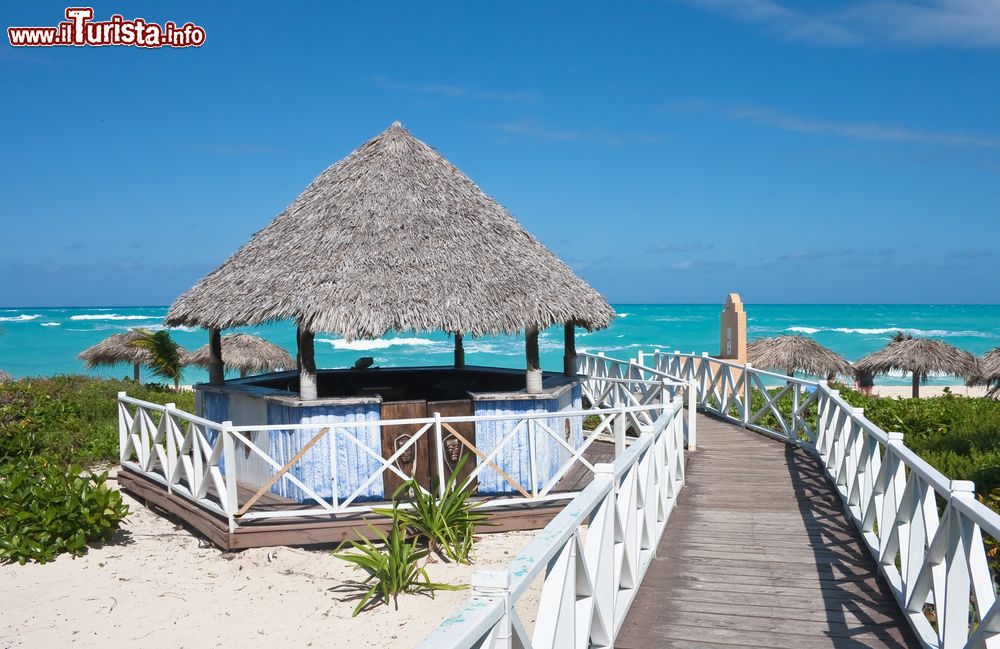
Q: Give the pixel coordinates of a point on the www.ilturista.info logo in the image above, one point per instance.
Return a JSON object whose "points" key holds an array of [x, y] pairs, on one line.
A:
{"points": [[79, 30]]}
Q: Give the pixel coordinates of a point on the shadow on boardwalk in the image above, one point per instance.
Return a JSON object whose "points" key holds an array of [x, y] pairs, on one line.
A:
{"points": [[759, 553]]}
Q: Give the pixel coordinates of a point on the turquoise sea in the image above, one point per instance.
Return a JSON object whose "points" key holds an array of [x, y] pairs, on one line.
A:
{"points": [[45, 341]]}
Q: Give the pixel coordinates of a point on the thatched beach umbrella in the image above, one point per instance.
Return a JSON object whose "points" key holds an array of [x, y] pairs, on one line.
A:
{"points": [[116, 350], [988, 373], [790, 353], [245, 354], [919, 356], [393, 238]]}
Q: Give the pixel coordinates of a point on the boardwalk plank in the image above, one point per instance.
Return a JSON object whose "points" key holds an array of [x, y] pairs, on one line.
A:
{"points": [[759, 553]]}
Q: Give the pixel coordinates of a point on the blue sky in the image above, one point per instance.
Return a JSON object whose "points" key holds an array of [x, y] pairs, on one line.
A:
{"points": [[669, 151]]}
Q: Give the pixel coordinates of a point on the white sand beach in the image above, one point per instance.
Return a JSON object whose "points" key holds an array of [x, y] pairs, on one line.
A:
{"points": [[928, 390], [160, 587]]}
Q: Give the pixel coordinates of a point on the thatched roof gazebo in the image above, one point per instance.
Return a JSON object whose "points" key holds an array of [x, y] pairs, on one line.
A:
{"points": [[393, 238], [919, 356], [245, 354], [790, 353], [116, 350]]}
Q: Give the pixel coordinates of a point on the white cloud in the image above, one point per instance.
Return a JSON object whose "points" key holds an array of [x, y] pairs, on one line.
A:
{"points": [[965, 23]]}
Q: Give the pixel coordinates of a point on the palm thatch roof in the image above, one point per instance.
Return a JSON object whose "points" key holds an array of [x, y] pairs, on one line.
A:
{"points": [[393, 238], [790, 353], [245, 354], [989, 372], [919, 356], [5, 377], [114, 350]]}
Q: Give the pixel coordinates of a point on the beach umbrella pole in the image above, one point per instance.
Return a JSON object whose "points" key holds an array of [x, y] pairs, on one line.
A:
{"points": [[135, 372], [916, 384]]}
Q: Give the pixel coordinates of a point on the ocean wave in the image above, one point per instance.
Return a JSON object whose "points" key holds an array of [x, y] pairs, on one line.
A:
{"points": [[379, 343], [112, 316], [51, 324], [624, 315], [20, 318], [875, 331]]}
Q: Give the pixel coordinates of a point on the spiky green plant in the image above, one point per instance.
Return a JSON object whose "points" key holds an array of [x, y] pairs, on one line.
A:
{"points": [[447, 523], [165, 354], [396, 567]]}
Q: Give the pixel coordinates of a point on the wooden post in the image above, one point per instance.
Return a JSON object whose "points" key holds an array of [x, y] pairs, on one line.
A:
{"points": [[569, 344], [916, 384], [533, 378], [459, 351], [216, 373], [135, 372], [307, 365]]}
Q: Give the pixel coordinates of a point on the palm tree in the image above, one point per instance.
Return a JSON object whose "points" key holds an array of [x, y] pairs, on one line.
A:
{"points": [[166, 359]]}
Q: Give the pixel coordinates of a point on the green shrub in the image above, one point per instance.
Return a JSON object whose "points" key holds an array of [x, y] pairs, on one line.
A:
{"points": [[70, 419], [446, 523], [397, 567], [46, 510], [959, 436]]}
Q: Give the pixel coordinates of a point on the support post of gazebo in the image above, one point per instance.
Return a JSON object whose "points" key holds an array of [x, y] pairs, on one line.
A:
{"points": [[533, 377], [569, 345], [307, 365], [135, 372], [459, 351], [915, 391], [216, 373]]}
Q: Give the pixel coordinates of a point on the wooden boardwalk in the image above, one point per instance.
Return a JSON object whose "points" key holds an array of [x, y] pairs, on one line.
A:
{"points": [[759, 553]]}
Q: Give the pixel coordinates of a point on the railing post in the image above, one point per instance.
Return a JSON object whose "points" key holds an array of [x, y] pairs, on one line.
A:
{"points": [[796, 400], [231, 504], [490, 586], [600, 551], [747, 393], [692, 415], [122, 428], [955, 617], [171, 444], [439, 452], [532, 461], [619, 429], [640, 357]]}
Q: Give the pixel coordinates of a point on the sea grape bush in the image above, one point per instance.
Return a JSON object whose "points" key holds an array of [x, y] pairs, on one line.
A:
{"points": [[46, 510], [48, 428]]}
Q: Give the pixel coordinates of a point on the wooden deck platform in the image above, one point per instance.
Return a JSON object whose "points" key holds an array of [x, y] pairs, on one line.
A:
{"points": [[309, 530], [759, 553]]}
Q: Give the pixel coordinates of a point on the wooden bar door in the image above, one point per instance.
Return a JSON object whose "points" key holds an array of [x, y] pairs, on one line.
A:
{"points": [[416, 460], [454, 449]]}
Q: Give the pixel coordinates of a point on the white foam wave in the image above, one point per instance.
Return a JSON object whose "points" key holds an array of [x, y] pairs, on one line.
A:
{"points": [[111, 316], [23, 317], [51, 324], [875, 331], [624, 315], [379, 343]]}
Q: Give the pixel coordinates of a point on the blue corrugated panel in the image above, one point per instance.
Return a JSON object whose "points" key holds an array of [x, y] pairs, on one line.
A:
{"points": [[352, 464], [515, 458]]}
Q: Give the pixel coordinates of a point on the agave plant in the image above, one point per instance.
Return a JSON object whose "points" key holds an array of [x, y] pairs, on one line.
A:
{"points": [[166, 360], [392, 569], [447, 524]]}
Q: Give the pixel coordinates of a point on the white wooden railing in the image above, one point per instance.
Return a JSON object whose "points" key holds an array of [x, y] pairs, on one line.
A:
{"points": [[207, 462], [591, 556], [931, 538]]}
